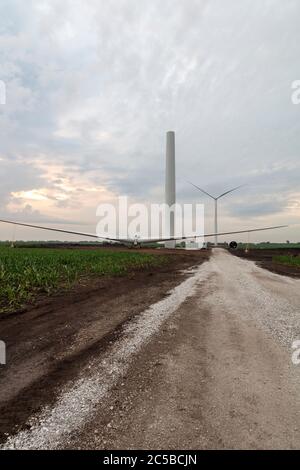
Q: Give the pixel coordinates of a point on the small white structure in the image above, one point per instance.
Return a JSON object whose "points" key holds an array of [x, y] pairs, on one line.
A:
{"points": [[194, 245]]}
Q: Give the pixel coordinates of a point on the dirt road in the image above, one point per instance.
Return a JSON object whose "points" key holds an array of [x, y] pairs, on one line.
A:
{"points": [[208, 366]]}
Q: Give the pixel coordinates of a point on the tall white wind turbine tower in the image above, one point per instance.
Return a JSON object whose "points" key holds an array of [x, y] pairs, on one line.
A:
{"points": [[216, 199], [170, 188]]}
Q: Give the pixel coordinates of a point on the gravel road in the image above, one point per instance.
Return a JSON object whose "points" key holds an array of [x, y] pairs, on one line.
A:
{"points": [[208, 366]]}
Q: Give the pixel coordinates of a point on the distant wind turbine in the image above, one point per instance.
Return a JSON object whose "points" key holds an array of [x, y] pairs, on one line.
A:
{"points": [[216, 204]]}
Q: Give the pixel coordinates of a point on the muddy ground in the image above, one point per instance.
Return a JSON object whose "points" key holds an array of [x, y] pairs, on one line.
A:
{"points": [[47, 345], [264, 258]]}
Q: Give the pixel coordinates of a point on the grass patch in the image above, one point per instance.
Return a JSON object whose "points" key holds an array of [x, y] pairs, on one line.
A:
{"points": [[288, 260], [28, 272]]}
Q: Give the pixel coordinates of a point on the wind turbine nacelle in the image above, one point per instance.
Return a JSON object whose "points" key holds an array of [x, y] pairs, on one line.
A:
{"points": [[233, 245]]}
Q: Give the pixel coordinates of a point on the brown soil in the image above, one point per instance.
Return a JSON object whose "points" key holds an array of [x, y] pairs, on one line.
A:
{"points": [[47, 345], [264, 258]]}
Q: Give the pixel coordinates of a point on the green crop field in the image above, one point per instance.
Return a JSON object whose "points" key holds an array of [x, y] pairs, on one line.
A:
{"points": [[269, 246], [26, 273], [288, 260]]}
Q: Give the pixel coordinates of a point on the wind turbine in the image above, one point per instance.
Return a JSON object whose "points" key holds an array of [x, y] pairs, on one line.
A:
{"points": [[216, 204]]}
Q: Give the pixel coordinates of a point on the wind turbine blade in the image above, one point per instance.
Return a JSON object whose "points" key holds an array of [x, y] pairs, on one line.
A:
{"points": [[119, 240], [91, 235], [207, 235], [230, 191], [245, 231], [202, 190]]}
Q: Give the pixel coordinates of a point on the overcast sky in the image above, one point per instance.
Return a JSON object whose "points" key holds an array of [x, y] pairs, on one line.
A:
{"points": [[92, 86]]}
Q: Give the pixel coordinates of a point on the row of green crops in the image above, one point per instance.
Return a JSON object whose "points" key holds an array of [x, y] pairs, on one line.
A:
{"points": [[288, 260], [270, 246], [26, 273]]}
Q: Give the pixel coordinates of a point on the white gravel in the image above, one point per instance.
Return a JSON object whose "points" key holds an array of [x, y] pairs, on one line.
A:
{"points": [[270, 300], [75, 406]]}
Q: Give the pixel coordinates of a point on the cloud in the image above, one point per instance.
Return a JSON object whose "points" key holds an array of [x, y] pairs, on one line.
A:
{"points": [[92, 87]]}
